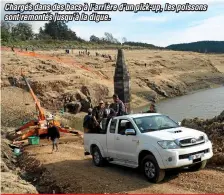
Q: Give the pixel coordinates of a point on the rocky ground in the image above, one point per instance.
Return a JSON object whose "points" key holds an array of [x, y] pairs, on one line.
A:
{"points": [[54, 75], [11, 181], [214, 128]]}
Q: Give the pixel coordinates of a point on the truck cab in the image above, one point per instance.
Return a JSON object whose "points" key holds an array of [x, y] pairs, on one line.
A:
{"points": [[153, 142]]}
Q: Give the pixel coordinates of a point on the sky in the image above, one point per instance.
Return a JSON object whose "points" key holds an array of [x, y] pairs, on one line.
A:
{"points": [[161, 29]]}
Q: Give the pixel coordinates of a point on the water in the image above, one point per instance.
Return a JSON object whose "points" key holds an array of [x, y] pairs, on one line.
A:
{"points": [[203, 104]]}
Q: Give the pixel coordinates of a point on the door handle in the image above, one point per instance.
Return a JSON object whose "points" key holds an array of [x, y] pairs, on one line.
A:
{"points": [[117, 138]]}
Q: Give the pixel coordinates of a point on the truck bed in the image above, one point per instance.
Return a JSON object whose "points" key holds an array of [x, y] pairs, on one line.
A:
{"points": [[95, 138]]}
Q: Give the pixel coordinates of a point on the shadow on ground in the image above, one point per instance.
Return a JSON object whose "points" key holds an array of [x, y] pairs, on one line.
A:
{"points": [[81, 176]]}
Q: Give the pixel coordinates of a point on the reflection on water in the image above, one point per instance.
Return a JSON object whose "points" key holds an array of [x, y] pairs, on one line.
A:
{"points": [[202, 104]]}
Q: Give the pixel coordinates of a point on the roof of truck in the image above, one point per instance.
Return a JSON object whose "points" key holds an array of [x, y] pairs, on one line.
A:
{"points": [[139, 115]]}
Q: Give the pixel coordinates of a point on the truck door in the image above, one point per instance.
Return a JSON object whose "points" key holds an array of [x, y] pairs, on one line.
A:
{"points": [[125, 145], [110, 138]]}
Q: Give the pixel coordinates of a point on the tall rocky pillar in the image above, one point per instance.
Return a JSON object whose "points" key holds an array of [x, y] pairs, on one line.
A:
{"points": [[122, 80]]}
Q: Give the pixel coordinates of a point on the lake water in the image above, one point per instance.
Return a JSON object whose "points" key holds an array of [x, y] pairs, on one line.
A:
{"points": [[203, 104]]}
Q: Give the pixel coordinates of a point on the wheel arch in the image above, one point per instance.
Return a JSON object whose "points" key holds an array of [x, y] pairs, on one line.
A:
{"points": [[96, 144], [155, 154], [142, 154]]}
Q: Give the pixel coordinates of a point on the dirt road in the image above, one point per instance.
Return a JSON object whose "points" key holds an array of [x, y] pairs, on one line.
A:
{"points": [[75, 173]]}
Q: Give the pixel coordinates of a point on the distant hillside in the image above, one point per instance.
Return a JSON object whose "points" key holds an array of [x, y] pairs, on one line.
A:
{"points": [[200, 46], [144, 45]]}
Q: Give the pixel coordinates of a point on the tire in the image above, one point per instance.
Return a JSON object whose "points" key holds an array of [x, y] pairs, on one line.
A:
{"points": [[151, 170], [98, 160], [198, 166]]}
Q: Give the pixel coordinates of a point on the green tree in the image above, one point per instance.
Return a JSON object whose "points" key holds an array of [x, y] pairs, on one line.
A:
{"points": [[109, 38], [58, 30], [94, 38], [22, 31], [6, 29]]}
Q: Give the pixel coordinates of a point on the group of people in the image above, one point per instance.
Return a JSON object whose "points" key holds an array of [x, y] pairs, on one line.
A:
{"points": [[104, 55], [97, 118]]}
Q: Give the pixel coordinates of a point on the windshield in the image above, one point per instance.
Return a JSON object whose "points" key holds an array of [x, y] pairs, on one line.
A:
{"points": [[154, 123]]}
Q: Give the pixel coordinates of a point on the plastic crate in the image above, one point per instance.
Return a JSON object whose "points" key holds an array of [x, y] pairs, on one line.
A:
{"points": [[33, 140]]}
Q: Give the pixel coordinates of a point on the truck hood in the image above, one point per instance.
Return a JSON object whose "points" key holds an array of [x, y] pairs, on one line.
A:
{"points": [[175, 133]]}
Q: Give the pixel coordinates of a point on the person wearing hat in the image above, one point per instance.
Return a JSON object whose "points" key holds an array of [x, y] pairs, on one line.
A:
{"points": [[53, 135], [98, 114], [87, 121]]}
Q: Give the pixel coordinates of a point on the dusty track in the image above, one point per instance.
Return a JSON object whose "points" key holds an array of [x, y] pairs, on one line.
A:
{"points": [[75, 173]]}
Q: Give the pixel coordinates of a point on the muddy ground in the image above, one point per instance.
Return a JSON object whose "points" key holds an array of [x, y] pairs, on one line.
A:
{"points": [[75, 173]]}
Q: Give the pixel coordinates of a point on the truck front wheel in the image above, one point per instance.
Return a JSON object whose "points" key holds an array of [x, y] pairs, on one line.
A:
{"points": [[98, 160], [151, 169]]}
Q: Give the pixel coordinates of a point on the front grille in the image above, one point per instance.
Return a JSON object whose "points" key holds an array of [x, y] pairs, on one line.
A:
{"points": [[186, 156], [191, 141]]}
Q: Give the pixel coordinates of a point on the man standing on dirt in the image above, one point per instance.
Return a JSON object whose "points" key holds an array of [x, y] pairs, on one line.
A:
{"points": [[54, 135], [98, 113], [118, 106]]}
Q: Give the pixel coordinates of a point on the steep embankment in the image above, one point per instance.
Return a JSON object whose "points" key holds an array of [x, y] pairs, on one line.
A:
{"points": [[55, 75], [11, 181], [214, 128]]}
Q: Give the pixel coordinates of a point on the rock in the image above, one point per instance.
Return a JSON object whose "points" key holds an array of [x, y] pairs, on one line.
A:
{"points": [[4, 167], [214, 128]]}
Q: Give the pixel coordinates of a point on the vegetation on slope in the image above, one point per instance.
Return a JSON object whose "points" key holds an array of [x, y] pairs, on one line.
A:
{"points": [[200, 46]]}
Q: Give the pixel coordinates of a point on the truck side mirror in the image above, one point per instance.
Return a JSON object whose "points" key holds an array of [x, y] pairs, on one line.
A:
{"points": [[130, 132], [179, 123]]}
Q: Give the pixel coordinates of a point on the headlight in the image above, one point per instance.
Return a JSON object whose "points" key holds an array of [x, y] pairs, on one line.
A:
{"points": [[206, 138], [166, 144]]}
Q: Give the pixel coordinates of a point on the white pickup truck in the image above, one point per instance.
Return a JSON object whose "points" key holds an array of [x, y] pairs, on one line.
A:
{"points": [[152, 142]]}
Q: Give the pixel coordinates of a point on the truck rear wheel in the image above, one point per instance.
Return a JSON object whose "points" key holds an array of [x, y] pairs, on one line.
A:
{"points": [[98, 160], [151, 170], [198, 166]]}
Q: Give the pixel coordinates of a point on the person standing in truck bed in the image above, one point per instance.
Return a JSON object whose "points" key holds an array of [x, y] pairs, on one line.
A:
{"points": [[108, 114], [118, 106], [98, 114]]}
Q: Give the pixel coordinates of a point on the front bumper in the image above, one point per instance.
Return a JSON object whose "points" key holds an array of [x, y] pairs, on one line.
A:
{"points": [[174, 158]]}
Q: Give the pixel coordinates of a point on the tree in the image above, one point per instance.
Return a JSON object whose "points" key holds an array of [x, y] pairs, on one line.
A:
{"points": [[22, 31], [6, 29], [109, 38], [58, 30], [94, 38], [124, 40]]}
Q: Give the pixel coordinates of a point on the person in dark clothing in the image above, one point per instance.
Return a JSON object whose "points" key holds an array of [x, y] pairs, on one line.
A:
{"points": [[98, 114], [118, 106], [53, 135], [87, 122], [152, 108]]}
